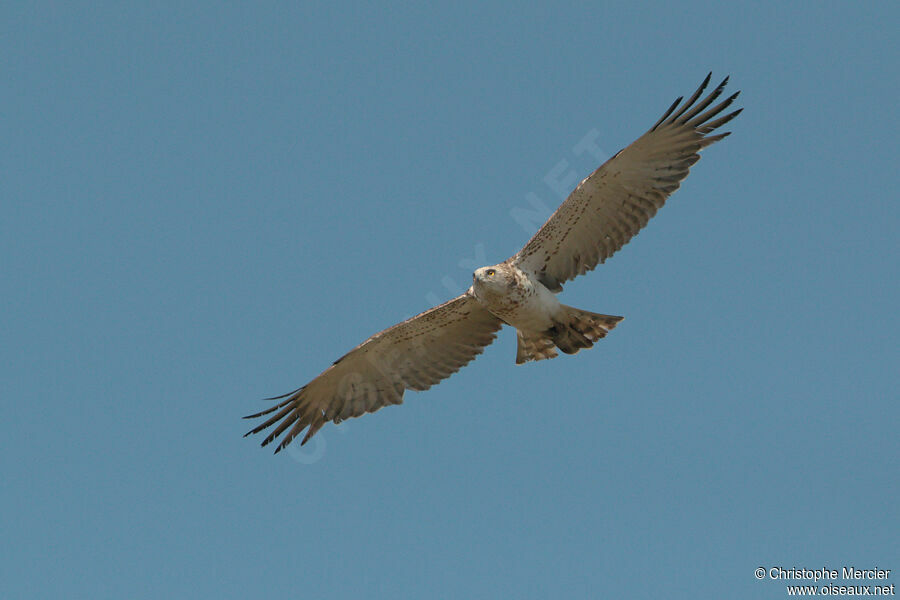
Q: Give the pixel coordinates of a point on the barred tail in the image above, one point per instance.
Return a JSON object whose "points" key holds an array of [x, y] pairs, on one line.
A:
{"points": [[576, 329]]}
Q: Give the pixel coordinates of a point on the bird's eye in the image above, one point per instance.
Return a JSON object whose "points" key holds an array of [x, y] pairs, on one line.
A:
{"points": [[491, 272]]}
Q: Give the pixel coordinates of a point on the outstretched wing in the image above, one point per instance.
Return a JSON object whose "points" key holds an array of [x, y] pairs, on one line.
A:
{"points": [[615, 202], [412, 355]]}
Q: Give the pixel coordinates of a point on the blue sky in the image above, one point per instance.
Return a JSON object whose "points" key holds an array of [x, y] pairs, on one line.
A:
{"points": [[204, 205]]}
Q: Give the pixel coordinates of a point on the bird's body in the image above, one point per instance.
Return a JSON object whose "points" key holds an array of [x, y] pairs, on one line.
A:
{"points": [[599, 217], [514, 297], [542, 322]]}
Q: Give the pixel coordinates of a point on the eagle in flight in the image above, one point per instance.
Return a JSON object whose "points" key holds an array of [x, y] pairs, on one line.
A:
{"points": [[600, 216]]}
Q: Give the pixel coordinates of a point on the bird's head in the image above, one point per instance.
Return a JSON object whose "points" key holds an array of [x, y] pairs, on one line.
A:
{"points": [[494, 279]]}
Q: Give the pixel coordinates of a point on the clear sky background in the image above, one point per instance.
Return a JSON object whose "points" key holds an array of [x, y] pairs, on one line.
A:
{"points": [[204, 205]]}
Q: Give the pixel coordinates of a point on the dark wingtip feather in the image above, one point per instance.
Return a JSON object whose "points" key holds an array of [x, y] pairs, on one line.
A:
{"points": [[262, 412], [706, 80], [287, 406], [667, 113], [725, 119], [690, 109], [259, 414], [686, 116], [285, 441], [694, 120], [712, 139], [256, 429], [691, 100], [283, 396]]}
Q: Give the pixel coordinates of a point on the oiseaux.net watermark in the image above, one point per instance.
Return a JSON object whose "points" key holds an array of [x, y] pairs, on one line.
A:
{"points": [[847, 580]]}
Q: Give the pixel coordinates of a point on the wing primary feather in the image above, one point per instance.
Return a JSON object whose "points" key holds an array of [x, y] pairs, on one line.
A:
{"points": [[665, 115], [299, 426], [286, 405], [281, 397], [299, 389], [313, 428], [705, 102], [693, 98], [264, 412], [288, 421], [708, 127], [712, 139], [700, 119]]}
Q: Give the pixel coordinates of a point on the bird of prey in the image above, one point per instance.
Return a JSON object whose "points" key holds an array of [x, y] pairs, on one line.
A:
{"points": [[599, 217]]}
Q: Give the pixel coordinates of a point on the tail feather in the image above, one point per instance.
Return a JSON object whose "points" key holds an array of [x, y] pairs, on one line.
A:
{"points": [[534, 347], [576, 329], [581, 329]]}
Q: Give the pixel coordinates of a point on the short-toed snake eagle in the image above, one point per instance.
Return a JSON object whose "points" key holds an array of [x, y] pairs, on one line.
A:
{"points": [[600, 216]]}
